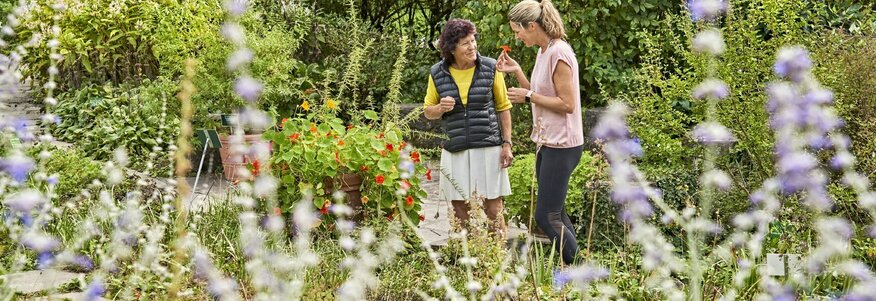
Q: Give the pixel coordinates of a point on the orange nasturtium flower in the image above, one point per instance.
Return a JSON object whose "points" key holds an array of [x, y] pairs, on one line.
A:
{"points": [[379, 179], [409, 201], [389, 146], [415, 156], [325, 207], [331, 104], [294, 137], [363, 168], [340, 142], [305, 105], [313, 127], [256, 167], [365, 199], [505, 49]]}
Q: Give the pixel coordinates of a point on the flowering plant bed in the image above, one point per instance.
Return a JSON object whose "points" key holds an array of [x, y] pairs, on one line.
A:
{"points": [[315, 148]]}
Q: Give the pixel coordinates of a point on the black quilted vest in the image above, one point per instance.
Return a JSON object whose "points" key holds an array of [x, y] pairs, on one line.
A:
{"points": [[476, 124]]}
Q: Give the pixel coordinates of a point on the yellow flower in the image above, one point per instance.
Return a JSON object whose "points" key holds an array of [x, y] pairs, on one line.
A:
{"points": [[304, 105], [331, 104]]}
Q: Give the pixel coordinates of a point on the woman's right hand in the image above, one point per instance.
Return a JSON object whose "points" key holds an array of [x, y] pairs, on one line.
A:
{"points": [[506, 64]]}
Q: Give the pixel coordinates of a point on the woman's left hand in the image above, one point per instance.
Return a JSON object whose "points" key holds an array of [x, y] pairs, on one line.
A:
{"points": [[505, 157], [517, 95]]}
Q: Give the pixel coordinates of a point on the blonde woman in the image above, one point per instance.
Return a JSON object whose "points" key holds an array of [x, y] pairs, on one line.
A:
{"points": [[553, 92], [469, 97]]}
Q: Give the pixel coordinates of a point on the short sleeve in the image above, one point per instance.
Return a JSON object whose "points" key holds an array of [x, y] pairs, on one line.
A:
{"points": [[431, 98], [500, 93]]}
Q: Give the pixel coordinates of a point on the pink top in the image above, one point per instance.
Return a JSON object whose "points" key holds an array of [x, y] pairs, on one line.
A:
{"points": [[552, 129]]}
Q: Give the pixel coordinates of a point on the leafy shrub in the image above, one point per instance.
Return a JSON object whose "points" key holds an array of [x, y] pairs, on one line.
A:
{"points": [[76, 171], [101, 119], [604, 35], [849, 63], [103, 41]]}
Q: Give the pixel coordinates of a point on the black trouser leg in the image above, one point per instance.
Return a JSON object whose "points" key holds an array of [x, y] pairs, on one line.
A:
{"points": [[554, 167]]}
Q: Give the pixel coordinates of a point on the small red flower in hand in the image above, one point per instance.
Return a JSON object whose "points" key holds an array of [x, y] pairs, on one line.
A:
{"points": [[505, 49]]}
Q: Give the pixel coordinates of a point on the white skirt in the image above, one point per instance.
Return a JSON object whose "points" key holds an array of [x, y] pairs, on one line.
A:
{"points": [[473, 170]]}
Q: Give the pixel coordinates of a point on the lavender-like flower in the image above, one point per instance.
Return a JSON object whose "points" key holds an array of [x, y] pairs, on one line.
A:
{"points": [[248, 88], [712, 134], [716, 179], [706, 10], [711, 88], [792, 62], [17, 166], [612, 124], [24, 201], [580, 276], [708, 41], [95, 290]]}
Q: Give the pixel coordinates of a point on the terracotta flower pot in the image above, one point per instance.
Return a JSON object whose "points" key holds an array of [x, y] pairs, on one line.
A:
{"points": [[351, 185], [230, 163]]}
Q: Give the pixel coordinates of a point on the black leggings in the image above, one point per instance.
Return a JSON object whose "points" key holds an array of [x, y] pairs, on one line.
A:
{"points": [[553, 168]]}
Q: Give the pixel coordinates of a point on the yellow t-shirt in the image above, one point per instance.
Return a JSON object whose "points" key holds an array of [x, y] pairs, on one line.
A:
{"points": [[463, 81]]}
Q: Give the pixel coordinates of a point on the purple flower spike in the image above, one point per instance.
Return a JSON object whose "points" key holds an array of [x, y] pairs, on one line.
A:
{"points": [[45, 260], [842, 160], [248, 88], [717, 179], [222, 287], [711, 88], [871, 231], [792, 62], [780, 94], [799, 162], [628, 195], [17, 166], [20, 127], [580, 276], [24, 201], [712, 134], [52, 180], [611, 125], [83, 262], [236, 7], [757, 197], [40, 243], [95, 290], [706, 10], [819, 97]]}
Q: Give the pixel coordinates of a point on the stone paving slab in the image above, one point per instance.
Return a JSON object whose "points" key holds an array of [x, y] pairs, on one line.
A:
{"points": [[67, 296], [38, 281]]}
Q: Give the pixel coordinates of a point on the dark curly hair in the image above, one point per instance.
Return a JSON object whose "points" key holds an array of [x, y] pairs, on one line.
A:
{"points": [[454, 30]]}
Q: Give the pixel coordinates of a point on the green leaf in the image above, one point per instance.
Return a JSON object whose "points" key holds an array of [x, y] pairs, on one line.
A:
{"points": [[369, 114], [86, 63], [377, 145]]}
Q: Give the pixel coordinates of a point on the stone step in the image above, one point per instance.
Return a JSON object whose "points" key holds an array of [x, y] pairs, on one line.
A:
{"points": [[30, 282], [67, 296]]}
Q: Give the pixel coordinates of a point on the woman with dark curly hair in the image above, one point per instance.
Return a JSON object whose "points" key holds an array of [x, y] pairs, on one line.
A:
{"points": [[469, 97]]}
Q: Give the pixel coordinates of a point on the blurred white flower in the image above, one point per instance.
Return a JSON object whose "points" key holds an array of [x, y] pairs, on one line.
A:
{"points": [[709, 41]]}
